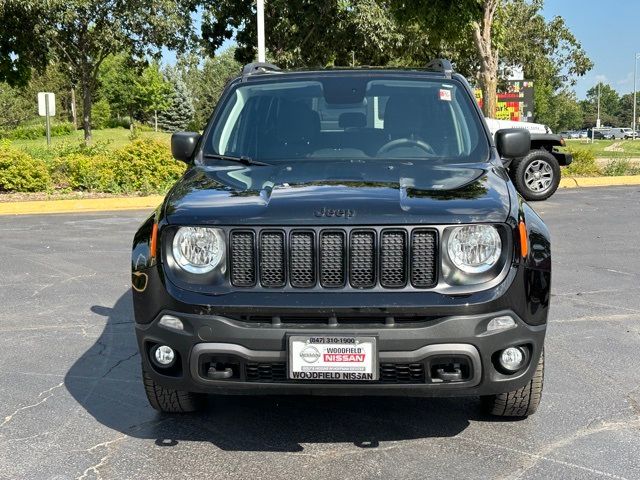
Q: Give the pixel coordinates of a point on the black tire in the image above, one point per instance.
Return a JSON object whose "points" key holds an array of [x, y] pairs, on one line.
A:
{"points": [[519, 168], [169, 400], [519, 403]]}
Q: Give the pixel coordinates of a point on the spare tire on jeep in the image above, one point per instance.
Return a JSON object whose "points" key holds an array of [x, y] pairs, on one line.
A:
{"points": [[537, 175]]}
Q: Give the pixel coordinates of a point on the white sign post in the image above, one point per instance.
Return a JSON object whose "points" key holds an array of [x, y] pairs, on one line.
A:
{"points": [[47, 109]]}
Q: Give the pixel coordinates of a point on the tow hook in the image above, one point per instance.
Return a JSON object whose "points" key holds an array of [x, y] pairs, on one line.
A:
{"points": [[219, 374], [450, 373]]}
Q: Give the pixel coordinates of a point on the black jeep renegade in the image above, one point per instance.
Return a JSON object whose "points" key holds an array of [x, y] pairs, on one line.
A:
{"points": [[344, 232]]}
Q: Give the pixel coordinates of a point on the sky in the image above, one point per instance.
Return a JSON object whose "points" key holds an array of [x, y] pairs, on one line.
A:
{"points": [[607, 32]]}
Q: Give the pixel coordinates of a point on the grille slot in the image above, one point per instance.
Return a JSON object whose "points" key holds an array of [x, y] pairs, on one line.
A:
{"points": [[272, 268], [243, 266], [389, 372], [423, 258], [332, 268], [393, 268], [266, 372], [402, 373], [301, 260], [362, 260]]}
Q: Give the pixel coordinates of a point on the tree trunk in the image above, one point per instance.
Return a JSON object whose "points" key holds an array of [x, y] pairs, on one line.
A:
{"points": [[155, 116], [488, 56], [74, 111], [86, 107]]}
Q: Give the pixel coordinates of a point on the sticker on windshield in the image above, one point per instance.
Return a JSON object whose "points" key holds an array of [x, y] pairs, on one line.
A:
{"points": [[445, 94]]}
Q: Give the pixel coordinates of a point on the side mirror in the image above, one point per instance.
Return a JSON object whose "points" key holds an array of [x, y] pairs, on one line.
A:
{"points": [[183, 144], [513, 142]]}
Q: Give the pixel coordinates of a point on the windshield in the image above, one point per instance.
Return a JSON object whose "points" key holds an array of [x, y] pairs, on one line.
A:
{"points": [[349, 117]]}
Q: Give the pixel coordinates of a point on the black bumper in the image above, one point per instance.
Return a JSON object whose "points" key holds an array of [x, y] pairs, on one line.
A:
{"points": [[253, 349]]}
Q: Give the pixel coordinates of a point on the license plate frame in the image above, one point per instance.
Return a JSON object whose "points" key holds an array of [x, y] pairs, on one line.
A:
{"points": [[344, 363]]}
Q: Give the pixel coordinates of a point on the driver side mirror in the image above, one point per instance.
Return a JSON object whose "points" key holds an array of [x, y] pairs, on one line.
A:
{"points": [[513, 142], [183, 144]]}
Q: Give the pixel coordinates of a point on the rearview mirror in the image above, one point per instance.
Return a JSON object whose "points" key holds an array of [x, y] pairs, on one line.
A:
{"points": [[513, 142], [183, 144]]}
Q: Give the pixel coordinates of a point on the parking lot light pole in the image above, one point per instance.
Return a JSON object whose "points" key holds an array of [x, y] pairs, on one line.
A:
{"points": [[635, 73], [261, 47]]}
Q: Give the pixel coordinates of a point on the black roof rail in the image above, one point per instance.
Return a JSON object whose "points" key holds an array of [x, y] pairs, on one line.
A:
{"points": [[259, 67], [441, 65]]}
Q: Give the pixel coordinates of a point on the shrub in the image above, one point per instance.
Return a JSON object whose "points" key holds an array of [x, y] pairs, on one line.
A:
{"points": [[19, 172], [145, 166], [620, 167], [32, 132], [584, 163], [79, 171]]}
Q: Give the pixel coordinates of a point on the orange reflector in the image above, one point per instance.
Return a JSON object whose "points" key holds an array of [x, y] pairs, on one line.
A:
{"points": [[154, 240], [524, 240]]}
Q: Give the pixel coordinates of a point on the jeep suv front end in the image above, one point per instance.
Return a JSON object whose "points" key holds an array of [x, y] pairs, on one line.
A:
{"points": [[344, 233]]}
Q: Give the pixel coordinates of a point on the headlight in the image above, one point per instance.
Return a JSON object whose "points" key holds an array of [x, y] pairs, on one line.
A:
{"points": [[474, 248], [198, 249]]}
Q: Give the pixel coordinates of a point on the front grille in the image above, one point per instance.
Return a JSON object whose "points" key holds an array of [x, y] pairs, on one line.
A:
{"points": [[332, 268], [393, 259], [334, 258], [272, 265], [389, 373]]}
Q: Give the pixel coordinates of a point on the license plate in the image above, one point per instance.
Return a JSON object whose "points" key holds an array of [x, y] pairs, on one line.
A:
{"points": [[327, 358]]}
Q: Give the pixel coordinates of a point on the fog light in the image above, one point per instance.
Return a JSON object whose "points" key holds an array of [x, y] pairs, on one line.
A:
{"points": [[164, 355], [512, 359], [169, 321], [501, 323]]}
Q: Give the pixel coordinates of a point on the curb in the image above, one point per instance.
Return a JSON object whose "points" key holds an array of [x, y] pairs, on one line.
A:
{"points": [[86, 205], [580, 182]]}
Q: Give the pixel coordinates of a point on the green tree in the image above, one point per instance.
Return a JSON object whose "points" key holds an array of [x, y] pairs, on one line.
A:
{"points": [[487, 37], [305, 32], [206, 84], [560, 110], [179, 113], [116, 78], [81, 34], [152, 92], [609, 106], [14, 107]]}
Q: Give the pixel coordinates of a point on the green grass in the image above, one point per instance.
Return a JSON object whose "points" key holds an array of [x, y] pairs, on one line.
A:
{"points": [[630, 148], [114, 137]]}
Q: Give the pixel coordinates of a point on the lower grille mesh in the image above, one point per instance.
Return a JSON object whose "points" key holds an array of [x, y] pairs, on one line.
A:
{"points": [[389, 373]]}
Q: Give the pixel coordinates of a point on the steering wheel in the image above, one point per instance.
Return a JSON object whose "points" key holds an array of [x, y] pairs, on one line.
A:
{"points": [[405, 142]]}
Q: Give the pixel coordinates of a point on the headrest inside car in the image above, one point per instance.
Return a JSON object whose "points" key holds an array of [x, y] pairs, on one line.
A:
{"points": [[352, 120]]}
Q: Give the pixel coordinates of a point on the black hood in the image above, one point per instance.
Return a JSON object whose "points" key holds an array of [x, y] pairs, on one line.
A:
{"points": [[357, 192]]}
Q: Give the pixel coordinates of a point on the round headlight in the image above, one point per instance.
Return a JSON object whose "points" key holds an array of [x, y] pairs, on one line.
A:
{"points": [[474, 248], [198, 249]]}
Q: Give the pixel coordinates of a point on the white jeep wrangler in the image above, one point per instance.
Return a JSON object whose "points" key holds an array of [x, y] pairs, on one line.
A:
{"points": [[537, 175]]}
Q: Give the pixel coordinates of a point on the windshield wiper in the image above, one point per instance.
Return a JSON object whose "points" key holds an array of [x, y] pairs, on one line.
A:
{"points": [[241, 159]]}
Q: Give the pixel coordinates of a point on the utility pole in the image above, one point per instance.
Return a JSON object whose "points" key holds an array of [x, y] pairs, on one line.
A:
{"points": [[635, 73], [261, 47]]}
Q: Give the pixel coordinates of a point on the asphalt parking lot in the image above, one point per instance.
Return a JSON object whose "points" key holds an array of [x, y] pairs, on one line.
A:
{"points": [[72, 404]]}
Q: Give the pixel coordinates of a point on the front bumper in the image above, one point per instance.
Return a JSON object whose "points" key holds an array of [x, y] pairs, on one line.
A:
{"points": [[255, 348]]}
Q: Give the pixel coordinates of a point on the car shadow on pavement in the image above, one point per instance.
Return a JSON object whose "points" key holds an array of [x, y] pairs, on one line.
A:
{"points": [[106, 381]]}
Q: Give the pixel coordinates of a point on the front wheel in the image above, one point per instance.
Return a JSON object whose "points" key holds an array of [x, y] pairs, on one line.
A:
{"points": [[169, 400], [519, 403], [537, 175]]}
